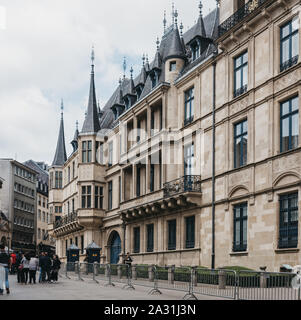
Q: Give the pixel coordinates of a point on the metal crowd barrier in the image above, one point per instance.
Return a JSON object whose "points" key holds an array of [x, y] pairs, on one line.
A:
{"points": [[252, 285], [229, 284]]}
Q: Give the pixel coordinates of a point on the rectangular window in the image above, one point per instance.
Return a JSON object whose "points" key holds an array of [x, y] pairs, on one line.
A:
{"points": [[195, 50], [190, 232], [138, 131], [172, 234], [98, 197], [150, 238], [189, 106], [152, 123], [87, 151], [188, 160], [137, 240], [289, 44], [289, 124], [73, 170], [58, 180], [119, 190], [82, 244], [110, 154], [288, 222], [240, 144], [138, 184], [241, 74], [173, 66], [240, 227], [86, 197], [110, 195], [152, 178], [66, 246]]}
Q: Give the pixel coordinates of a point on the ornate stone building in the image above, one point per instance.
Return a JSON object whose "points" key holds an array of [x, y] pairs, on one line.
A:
{"points": [[197, 160]]}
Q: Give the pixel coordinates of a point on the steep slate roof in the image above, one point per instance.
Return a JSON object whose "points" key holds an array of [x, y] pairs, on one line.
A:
{"points": [[60, 154], [91, 124], [171, 46]]}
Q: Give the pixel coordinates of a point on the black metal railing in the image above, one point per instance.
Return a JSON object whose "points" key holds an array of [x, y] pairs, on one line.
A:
{"points": [[65, 220], [240, 91], [289, 63], [181, 185], [239, 15]]}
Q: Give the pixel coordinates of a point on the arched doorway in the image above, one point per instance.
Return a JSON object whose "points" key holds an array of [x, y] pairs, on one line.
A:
{"points": [[3, 241], [115, 248]]}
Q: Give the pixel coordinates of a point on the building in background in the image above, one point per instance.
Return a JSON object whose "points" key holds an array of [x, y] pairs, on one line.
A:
{"points": [[18, 203], [197, 160], [5, 234], [43, 240]]}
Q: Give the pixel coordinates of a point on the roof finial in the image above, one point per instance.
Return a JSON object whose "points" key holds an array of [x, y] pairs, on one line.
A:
{"points": [[176, 18], [147, 62], [164, 21], [158, 43], [217, 3], [201, 8], [124, 67], [120, 82], [92, 58], [131, 71], [181, 29], [143, 60], [77, 125], [62, 108], [173, 14]]}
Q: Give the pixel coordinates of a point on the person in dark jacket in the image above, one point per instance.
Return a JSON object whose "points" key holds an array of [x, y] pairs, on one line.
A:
{"points": [[18, 263], [56, 265], [5, 263], [45, 264]]}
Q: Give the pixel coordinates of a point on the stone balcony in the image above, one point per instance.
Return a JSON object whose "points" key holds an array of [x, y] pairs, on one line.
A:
{"points": [[65, 225], [178, 194]]}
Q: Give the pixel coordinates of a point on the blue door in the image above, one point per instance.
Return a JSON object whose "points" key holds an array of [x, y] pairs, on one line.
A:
{"points": [[115, 248]]}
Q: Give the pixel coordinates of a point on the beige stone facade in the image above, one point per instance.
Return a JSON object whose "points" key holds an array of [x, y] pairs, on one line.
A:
{"points": [[267, 174]]}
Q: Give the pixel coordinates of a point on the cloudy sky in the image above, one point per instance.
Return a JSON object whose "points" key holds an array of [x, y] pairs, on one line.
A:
{"points": [[45, 56]]}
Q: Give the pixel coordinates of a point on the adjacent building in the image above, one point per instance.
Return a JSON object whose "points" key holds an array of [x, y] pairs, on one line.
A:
{"points": [[197, 159], [4, 224], [43, 216], [17, 199]]}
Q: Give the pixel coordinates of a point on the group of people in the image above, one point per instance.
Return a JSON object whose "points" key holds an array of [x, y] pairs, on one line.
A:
{"points": [[26, 267]]}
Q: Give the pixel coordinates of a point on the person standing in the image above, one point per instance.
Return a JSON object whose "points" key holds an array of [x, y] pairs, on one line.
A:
{"points": [[4, 263], [56, 265], [48, 265], [33, 267], [25, 268], [13, 259], [19, 266], [40, 266]]}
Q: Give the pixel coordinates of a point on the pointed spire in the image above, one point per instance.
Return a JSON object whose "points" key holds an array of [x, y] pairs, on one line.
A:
{"points": [[60, 154], [201, 8], [132, 85], [91, 124], [74, 142], [124, 67], [175, 49], [181, 29], [62, 109], [164, 21], [173, 14]]}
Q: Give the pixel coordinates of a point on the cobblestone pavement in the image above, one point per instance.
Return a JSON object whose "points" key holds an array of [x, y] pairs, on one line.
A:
{"points": [[67, 289]]}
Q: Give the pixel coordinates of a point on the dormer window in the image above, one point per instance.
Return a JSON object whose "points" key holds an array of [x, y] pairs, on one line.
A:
{"points": [[127, 103], [195, 50], [154, 79], [173, 66]]}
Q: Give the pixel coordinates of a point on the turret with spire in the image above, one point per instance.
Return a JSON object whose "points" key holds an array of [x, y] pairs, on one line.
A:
{"points": [[60, 154], [91, 124], [74, 142]]}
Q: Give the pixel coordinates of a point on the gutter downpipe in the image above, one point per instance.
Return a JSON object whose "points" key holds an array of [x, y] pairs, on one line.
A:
{"points": [[213, 161]]}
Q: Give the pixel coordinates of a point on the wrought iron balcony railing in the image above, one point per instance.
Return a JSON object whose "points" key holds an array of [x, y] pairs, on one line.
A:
{"points": [[240, 91], [289, 63], [184, 184], [65, 220], [239, 15]]}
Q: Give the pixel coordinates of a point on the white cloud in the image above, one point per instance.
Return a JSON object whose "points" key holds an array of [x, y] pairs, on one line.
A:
{"points": [[45, 56]]}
